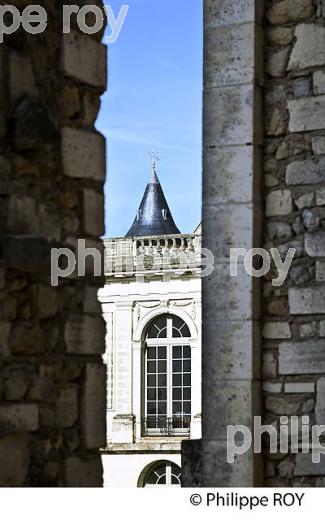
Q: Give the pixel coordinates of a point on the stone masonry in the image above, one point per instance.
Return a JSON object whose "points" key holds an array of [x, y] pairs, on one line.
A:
{"points": [[52, 170], [294, 182], [272, 50]]}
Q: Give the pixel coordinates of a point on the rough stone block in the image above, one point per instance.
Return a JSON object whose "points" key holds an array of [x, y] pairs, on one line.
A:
{"points": [[315, 244], [84, 59], [320, 197], [93, 407], [288, 11], [22, 81], [230, 55], [319, 82], [19, 418], [307, 300], [278, 203], [84, 335], [93, 213], [4, 340], [83, 472], [309, 49], [299, 388], [67, 406], [308, 330], [320, 271], [14, 457], [90, 301], [322, 329], [272, 388], [306, 172], [320, 402], [318, 144], [277, 62], [83, 154], [230, 119], [283, 404], [46, 301], [306, 357], [307, 113], [277, 330], [305, 467]]}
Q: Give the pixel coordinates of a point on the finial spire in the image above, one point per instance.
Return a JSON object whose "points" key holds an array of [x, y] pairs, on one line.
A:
{"points": [[154, 158]]}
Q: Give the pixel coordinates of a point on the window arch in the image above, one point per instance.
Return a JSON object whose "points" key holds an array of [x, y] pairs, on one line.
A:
{"points": [[167, 371], [162, 473]]}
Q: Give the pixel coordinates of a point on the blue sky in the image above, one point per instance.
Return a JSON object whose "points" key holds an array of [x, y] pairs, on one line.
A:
{"points": [[154, 102]]}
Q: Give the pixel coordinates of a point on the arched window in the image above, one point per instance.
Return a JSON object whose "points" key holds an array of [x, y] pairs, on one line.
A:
{"points": [[163, 474], [167, 406]]}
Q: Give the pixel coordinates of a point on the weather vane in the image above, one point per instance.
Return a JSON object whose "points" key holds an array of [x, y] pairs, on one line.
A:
{"points": [[154, 157]]}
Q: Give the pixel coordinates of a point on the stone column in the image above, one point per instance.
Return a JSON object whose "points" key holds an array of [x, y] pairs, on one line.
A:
{"points": [[231, 219]]}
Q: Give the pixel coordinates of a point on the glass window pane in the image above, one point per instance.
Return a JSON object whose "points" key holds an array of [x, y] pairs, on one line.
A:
{"points": [[151, 352], [187, 394], [177, 366], [187, 352], [187, 366], [152, 367], [162, 394], [177, 380], [151, 408], [177, 407], [177, 394], [187, 407], [151, 381], [187, 379], [162, 352], [162, 380], [162, 367], [162, 407], [151, 394], [177, 353]]}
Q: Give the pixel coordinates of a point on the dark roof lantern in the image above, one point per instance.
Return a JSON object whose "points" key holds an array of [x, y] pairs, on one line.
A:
{"points": [[153, 216]]}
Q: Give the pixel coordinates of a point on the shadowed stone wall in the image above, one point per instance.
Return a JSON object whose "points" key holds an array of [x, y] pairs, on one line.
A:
{"points": [[52, 169], [294, 178]]}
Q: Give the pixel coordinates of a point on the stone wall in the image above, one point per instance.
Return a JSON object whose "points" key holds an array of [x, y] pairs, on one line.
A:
{"points": [[294, 178], [52, 169]]}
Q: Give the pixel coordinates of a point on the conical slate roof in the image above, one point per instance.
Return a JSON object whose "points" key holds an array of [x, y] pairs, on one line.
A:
{"points": [[154, 216]]}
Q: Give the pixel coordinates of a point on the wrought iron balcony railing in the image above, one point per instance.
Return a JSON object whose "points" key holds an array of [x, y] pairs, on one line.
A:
{"points": [[166, 426]]}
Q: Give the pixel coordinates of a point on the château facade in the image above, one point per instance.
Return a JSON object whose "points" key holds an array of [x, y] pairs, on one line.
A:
{"points": [[152, 308]]}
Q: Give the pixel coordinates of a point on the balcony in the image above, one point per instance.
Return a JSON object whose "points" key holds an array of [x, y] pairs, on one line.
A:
{"points": [[177, 426]]}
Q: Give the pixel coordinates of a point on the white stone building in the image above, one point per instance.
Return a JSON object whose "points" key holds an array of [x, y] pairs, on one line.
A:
{"points": [[152, 308]]}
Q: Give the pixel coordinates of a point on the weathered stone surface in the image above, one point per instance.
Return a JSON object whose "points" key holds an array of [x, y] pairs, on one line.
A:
{"points": [[306, 172], [227, 167], [283, 405], [269, 367], [315, 244], [305, 201], [46, 301], [277, 62], [276, 122], [85, 335], [309, 49], [230, 118], [272, 388], [320, 271], [280, 35], [278, 203], [93, 212], [18, 418], [287, 11], [318, 144], [4, 339], [319, 82], [299, 388], [84, 59], [83, 473], [83, 154], [67, 406], [14, 456], [305, 467], [320, 402], [22, 80], [320, 197], [278, 230], [307, 113], [322, 329], [308, 330], [26, 338], [229, 55], [307, 300], [93, 406], [305, 357], [227, 12], [276, 330]]}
